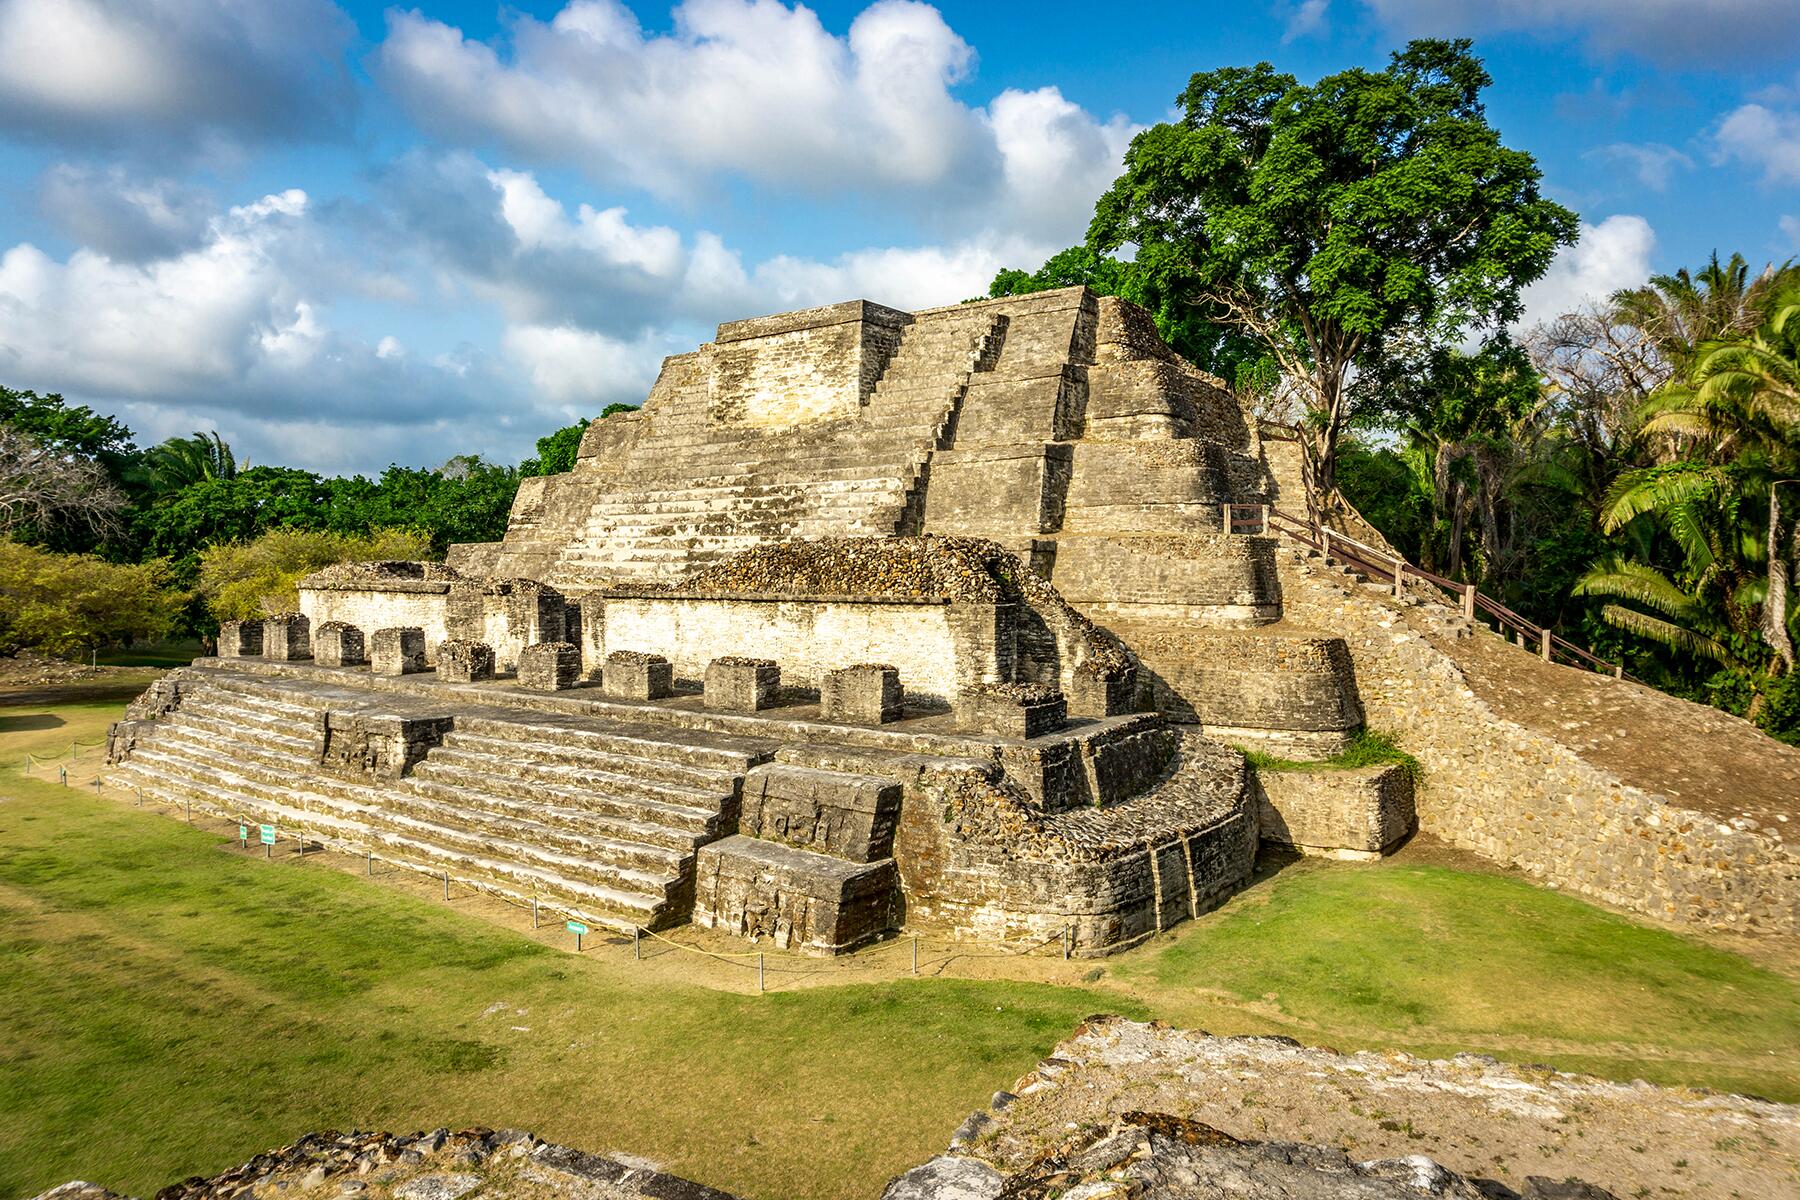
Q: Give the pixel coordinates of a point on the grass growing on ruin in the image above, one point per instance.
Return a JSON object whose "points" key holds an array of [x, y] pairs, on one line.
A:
{"points": [[1436, 960], [1367, 749]]}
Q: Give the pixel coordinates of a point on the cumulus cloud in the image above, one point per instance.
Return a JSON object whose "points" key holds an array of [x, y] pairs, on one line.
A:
{"points": [[1666, 31], [1652, 162], [584, 371], [225, 335], [755, 89], [1790, 228], [1304, 19], [1763, 138], [172, 70], [1611, 255]]}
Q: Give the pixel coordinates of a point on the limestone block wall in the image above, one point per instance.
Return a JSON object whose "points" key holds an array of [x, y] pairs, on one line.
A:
{"points": [[506, 614], [936, 646], [801, 367], [395, 605], [1353, 813], [1145, 487], [1523, 798], [1208, 578]]}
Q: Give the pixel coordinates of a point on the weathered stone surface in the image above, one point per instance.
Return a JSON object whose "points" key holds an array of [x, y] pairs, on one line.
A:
{"points": [[1342, 813], [947, 1177], [376, 745], [240, 639], [461, 661], [735, 684], [550, 667], [440, 1165], [865, 694], [1012, 710], [337, 644], [637, 675], [398, 651], [832, 812], [287, 637], [798, 899]]}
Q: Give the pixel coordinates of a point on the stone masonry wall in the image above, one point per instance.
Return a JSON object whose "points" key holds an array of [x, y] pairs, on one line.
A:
{"points": [[371, 610], [932, 644], [1522, 798]]}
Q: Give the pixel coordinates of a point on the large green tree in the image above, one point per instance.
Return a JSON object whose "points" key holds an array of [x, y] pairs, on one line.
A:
{"points": [[1349, 226]]}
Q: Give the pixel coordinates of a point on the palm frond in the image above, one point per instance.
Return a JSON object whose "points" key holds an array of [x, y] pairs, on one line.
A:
{"points": [[1666, 632], [1640, 582]]}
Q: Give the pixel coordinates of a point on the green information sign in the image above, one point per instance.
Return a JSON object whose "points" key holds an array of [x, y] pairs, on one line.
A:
{"points": [[268, 835], [576, 927], [243, 833]]}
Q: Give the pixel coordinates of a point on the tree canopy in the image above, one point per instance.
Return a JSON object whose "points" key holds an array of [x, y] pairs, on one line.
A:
{"points": [[1349, 226]]}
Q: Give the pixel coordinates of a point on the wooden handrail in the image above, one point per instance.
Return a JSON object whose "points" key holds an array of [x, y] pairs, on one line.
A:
{"points": [[1376, 563]]}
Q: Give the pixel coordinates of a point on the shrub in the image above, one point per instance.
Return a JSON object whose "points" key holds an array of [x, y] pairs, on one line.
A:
{"points": [[241, 581], [66, 603]]}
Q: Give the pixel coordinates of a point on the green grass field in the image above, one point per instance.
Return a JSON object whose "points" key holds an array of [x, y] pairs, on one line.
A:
{"points": [[168, 1007]]}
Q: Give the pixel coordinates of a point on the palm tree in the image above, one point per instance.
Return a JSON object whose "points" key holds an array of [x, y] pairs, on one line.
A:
{"points": [[178, 462], [1732, 429]]}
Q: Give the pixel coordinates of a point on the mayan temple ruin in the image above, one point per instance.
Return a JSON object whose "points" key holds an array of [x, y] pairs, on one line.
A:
{"points": [[956, 620]]}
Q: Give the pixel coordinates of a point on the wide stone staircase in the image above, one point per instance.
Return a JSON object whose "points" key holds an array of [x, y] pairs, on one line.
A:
{"points": [[694, 498], [595, 817]]}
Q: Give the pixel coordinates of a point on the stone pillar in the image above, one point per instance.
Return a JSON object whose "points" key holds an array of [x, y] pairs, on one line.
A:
{"points": [[742, 684], [634, 675], [549, 666], [1012, 710], [287, 637], [460, 661], [240, 639], [866, 694], [398, 651], [338, 644], [591, 633], [1096, 694]]}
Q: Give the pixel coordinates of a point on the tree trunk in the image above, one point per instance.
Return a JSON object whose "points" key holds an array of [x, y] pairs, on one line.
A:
{"points": [[1781, 574]]}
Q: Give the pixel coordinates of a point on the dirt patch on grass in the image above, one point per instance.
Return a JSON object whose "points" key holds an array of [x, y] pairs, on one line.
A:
{"points": [[1473, 1114]]}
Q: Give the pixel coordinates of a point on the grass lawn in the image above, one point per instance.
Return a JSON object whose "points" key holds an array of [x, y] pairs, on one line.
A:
{"points": [[169, 1008], [154, 654]]}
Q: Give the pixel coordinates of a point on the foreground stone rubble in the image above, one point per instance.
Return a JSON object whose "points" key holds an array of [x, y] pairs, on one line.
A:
{"points": [[1124, 1110], [949, 620]]}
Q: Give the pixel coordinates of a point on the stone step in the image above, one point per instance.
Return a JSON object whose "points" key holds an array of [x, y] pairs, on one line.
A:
{"points": [[609, 906], [720, 752], [220, 723], [556, 757], [670, 830], [377, 810], [692, 812], [476, 812]]}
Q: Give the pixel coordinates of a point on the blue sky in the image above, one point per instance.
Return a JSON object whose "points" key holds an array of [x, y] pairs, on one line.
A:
{"points": [[350, 234]]}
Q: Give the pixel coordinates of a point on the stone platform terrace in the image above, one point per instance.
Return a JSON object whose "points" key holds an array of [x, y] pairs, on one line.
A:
{"points": [[788, 824]]}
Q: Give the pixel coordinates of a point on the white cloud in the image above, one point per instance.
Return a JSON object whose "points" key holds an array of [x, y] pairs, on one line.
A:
{"points": [[1611, 255], [756, 89], [1667, 31], [1762, 138], [582, 370], [1652, 162], [181, 70], [1790, 226], [1305, 19]]}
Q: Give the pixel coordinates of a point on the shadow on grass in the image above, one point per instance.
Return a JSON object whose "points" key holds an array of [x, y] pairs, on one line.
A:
{"points": [[26, 722]]}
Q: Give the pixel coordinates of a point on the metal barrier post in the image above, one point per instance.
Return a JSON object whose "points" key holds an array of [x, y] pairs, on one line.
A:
{"points": [[759, 971], [63, 774], [637, 943], [915, 953]]}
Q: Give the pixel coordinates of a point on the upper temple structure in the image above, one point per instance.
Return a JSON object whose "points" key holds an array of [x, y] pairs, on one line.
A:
{"points": [[955, 619]]}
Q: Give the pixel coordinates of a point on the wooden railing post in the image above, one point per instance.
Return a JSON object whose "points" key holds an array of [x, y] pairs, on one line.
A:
{"points": [[1265, 518], [1468, 604], [1399, 578], [1325, 542], [1544, 644], [1225, 516]]}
